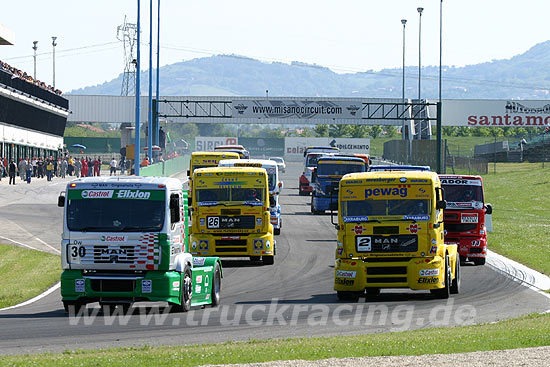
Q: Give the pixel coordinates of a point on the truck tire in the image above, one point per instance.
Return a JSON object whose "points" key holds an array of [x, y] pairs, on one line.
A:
{"points": [[276, 231], [444, 292], [268, 260], [186, 290], [479, 260], [348, 295], [455, 285], [315, 212], [216, 286], [73, 308]]}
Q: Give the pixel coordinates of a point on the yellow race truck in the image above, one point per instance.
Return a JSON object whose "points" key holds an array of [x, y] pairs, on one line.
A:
{"points": [[202, 160], [230, 214], [390, 235]]}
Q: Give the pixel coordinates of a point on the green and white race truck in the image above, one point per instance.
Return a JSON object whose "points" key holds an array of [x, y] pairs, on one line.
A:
{"points": [[125, 240]]}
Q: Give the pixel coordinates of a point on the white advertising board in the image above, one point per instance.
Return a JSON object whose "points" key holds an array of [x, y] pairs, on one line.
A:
{"points": [[208, 143], [295, 146], [495, 113]]}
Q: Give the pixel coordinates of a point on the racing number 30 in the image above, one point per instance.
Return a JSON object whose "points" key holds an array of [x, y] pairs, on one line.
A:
{"points": [[78, 251]]}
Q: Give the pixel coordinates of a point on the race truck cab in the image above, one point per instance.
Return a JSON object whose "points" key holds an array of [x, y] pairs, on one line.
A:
{"points": [[397, 167], [326, 178], [390, 235], [311, 155], [124, 240], [274, 183], [230, 215], [465, 216], [205, 159]]}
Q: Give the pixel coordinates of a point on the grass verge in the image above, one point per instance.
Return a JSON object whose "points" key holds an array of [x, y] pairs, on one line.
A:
{"points": [[25, 274], [528, 331], [520, 195]]}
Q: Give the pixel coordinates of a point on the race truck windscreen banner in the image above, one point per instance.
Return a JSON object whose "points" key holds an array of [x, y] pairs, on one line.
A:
{"points": [[462, 193], [385, 202], [338, 168], [116, 210]]}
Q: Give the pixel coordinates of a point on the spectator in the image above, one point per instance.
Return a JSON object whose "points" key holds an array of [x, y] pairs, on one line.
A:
{"points": [[77, 167], [113, 165], [21, 167], [50, 169], [1, 168], [144, 162], [12, 170], [28, 170]]}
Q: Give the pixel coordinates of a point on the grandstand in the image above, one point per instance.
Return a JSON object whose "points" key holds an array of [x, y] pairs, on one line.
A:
{"points": [[32, 115]]}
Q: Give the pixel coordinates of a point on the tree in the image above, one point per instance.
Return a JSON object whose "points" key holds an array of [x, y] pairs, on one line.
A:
{"points": [[358, 131], [321, 130], [449, 130], [339, 131], [391, 131], [375, 131]]}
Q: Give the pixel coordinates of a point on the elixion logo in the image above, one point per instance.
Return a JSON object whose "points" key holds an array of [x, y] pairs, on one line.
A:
{"points": [[133, 194]]}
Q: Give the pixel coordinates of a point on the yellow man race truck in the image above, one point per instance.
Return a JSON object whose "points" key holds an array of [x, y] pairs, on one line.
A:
{"points": [[205, 159], [230, 214], [391, 235]]}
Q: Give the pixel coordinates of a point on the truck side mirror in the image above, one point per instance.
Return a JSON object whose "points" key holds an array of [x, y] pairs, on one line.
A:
{"points": [[441, 204], [188, 173], [314, 174], [488, 209], [61, 201]]}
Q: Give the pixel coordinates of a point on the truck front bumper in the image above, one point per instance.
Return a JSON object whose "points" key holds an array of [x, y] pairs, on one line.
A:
{"points": [[150, 286], [420, 273], [469, 246], [232, 244]]}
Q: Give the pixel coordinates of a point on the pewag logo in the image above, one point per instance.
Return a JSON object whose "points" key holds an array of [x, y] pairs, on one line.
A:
{"points": [[390, 191]]}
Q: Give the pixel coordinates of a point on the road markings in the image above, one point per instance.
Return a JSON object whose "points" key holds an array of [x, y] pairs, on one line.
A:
{"points": [[53, 248], [32, 300], [19, 243]]}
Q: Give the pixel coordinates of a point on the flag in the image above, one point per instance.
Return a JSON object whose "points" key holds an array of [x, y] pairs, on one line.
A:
{"points": [[168, 139]]}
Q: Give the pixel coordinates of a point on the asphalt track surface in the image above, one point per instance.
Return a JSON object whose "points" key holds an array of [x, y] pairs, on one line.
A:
{"points": [[292, 298]]}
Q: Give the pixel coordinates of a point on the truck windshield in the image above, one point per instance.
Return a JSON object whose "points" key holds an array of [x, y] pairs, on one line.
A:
{"points": [[312, 158], [109, 215], [271, 181], [463, 193], [356, 208], [230, 194], [340, 169]]}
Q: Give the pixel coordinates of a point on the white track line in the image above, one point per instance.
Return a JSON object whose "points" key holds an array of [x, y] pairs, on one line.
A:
{"points": [[19, 243], [32, 300], [53, 248]]}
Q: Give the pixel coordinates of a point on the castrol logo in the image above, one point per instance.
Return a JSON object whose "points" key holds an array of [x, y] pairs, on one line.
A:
{"points": [[97, 194]]}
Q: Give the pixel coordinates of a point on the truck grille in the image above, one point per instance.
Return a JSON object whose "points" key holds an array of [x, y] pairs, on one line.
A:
{"points": [[387, 280], [460, 227], [112, 285], [231, 246], [231, 222], [400, 270], [392, 243]]}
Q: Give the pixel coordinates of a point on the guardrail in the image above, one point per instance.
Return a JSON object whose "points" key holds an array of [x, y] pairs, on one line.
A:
{"points": [[166, 168]]}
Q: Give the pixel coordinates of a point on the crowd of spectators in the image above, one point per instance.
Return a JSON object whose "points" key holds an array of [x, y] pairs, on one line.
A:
{"points": [[16, 73]]}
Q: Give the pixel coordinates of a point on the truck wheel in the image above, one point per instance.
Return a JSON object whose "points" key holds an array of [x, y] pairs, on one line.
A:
{"points": [[315, 212], [455, 285], [254, 258], [268, 260], [348, 295], [186, 291], [216, 286], [73, 308], [479, 260], [463, 259], [444, 292], [276, 231]]}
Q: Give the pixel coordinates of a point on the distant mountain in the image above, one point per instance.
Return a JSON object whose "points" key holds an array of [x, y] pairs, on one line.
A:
{"points": [[524, 76]]}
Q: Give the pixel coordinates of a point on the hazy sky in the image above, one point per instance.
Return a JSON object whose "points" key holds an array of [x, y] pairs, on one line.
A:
{"points": [[344, 35]]}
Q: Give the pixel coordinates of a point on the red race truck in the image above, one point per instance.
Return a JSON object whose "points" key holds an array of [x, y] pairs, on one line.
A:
{"points": [[465, 216]]}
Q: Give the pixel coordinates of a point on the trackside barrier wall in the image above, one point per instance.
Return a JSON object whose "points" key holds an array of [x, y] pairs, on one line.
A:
{"points": [[167, 168]]}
